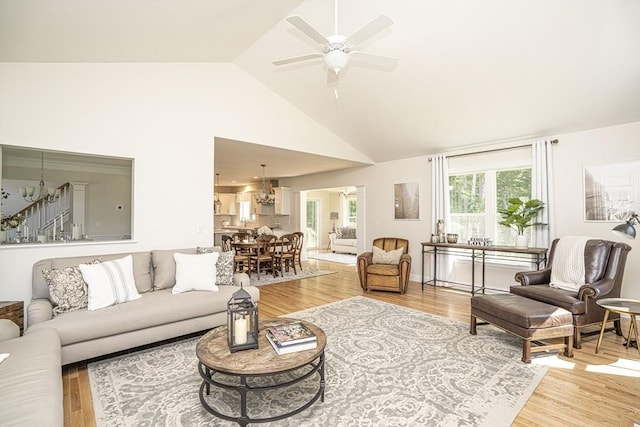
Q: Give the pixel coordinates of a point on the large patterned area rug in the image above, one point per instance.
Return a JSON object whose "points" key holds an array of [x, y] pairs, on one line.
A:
{"points": [[386, 366], [333, 257], [268, 279]]}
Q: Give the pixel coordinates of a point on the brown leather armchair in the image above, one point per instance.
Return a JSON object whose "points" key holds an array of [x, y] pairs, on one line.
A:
{"points": [[385, 277], [604, 263]]}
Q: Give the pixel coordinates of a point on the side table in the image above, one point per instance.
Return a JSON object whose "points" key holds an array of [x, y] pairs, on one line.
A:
{"points": [[620, 306], [14, 311]]}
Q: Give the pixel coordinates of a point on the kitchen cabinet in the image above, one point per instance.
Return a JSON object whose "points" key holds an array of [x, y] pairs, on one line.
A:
{"points": [[283, 200], [258, 208], [228, 203]]}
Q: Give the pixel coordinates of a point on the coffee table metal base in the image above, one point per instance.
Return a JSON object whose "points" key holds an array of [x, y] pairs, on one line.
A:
{"points": [[243, 388]]}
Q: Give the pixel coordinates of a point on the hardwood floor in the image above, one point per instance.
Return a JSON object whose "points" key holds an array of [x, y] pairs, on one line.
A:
{"points": [[587, 390]]}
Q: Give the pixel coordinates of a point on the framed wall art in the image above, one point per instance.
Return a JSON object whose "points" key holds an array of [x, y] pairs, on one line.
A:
{"points": [[611, 191], [406, 200]]}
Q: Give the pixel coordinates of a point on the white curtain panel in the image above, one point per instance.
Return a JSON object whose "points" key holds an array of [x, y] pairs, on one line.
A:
{"points": [[344, 210], [440, 190], [440, 207], [542, 189]]}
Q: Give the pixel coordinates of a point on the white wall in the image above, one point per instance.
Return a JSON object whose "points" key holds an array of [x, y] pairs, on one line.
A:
{"points": [[611, 144], [165, 116]]}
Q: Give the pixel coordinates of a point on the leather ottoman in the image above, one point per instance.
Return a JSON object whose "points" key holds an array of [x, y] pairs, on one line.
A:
{"points": [[528, 319]]}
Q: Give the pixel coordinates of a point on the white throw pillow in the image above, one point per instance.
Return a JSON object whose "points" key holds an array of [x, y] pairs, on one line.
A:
{"points": [[380, 256], [195, 272], [110, 282]]}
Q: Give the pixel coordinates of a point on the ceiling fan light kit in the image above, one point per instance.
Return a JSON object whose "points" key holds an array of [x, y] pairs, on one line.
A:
{"points": [[336, 49]]}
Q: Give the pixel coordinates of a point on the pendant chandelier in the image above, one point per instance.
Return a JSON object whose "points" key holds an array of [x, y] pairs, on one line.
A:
{"points": [[217, 205], [48, 195], [265, 198]]}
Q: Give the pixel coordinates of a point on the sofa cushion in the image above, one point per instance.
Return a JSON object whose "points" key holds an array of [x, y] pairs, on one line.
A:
{"points": [[141, 270], [195, 272], [345, 242], [110, 282], [383, 270], [31, 378], [152, 309], [164, 266]]}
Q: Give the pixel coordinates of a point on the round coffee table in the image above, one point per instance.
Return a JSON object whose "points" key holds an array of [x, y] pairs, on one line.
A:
{"points": [[216, 360], [621, 306]]}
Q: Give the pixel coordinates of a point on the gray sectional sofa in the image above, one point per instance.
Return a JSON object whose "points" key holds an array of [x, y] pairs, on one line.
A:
{"points": [[82, 334], [30, 377]]}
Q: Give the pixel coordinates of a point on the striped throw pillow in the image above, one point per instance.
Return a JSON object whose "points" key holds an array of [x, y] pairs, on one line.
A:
{"points": [[110, 282]]}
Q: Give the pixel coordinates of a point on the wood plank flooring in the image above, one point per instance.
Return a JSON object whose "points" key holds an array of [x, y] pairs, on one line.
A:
{"points": [[588, 390]]}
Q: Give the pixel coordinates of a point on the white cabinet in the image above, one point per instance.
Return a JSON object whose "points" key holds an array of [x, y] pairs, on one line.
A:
{"points": [[228, 203], [259, 208], [283, 200]]}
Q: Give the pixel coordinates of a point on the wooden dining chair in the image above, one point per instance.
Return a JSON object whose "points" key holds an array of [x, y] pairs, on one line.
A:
{"points": [[299, 246], [226, 242], [285, 256], [264, 255], [241, 261]]}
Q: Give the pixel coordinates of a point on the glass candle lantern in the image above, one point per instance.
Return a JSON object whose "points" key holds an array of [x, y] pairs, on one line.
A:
{"points": [[242, 322]]}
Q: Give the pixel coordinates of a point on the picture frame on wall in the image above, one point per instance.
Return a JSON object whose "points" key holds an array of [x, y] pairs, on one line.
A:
{"points": [[611, 191], [406, 201]]}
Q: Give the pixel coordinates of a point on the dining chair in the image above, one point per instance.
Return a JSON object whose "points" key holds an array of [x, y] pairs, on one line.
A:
{"points": [[299, 246], [241, 261], [226, 242], [264, 254], [285, 256]]}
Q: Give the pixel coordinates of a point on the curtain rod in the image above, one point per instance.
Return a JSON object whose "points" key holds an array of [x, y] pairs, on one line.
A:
{"points": [[553, 141]]}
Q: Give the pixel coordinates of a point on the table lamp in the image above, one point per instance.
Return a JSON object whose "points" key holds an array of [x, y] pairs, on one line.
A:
{"points": [[334, 217]]}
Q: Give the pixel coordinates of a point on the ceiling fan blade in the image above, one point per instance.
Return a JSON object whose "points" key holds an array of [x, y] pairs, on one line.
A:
{"points": [[297, 59], [304, 26], [373, 57], [373, 27]]}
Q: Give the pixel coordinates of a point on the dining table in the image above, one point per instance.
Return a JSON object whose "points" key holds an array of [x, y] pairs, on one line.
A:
{"points": [[250, 247]]}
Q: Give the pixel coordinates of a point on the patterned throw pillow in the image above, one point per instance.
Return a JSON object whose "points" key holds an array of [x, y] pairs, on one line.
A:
{"points": [[224, 265], [67, 288], [348, 233]]}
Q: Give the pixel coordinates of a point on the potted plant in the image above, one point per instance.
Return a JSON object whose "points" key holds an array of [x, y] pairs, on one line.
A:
{"points": [[521, 215]]}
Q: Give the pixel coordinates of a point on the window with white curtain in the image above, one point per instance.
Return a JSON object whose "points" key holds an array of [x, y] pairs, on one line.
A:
{"points": [[481, 184]]}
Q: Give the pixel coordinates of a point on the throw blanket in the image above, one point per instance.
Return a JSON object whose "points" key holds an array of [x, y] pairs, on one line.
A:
{"points": [[567, 270]]}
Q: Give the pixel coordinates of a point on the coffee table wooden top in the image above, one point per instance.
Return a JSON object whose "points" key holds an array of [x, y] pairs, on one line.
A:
{"points": [[213, 351]]}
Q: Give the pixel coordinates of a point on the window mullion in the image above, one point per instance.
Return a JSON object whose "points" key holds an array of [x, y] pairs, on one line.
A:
{"points": [[490, 204]]}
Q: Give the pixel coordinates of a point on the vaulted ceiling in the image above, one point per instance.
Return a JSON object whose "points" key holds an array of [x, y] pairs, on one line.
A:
{"points": [[467, 73]]}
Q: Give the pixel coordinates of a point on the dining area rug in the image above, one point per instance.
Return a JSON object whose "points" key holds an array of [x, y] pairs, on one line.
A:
{"points": [[268, 279], [386, 365]]}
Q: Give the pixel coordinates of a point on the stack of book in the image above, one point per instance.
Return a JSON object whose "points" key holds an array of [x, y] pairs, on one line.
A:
{"points": [[291, 337]]}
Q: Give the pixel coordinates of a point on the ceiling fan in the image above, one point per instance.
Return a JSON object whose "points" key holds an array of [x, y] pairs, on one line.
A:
{"points": [[336, 49]]}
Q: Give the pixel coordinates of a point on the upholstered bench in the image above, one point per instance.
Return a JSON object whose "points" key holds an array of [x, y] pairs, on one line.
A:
{"points": [[528, 319]]}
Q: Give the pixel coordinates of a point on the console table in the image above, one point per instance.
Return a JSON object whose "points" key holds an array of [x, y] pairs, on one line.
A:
{"points": [[537, 257]]}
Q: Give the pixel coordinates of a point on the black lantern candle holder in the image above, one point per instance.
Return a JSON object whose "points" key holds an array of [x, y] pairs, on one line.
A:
{"points": [[242, 322]]}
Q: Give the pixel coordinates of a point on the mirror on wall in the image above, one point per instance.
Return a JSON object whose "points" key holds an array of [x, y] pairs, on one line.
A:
{"points": [[60, 197]]}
